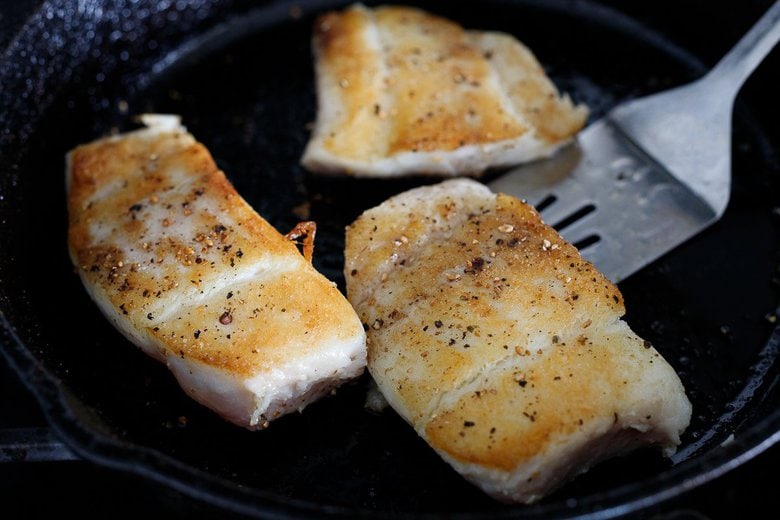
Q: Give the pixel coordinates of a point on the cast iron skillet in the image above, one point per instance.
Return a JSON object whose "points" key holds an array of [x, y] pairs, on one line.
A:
{"points": [[240, 74]]}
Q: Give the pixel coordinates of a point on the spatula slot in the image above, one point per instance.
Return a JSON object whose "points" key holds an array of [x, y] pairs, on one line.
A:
{"points": [[546, 202], [587, 242], [574, 217]]}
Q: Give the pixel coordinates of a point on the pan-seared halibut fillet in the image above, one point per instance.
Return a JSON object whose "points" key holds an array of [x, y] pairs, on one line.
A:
{"points": [[402, 92], [188, 272], [500, 345]]}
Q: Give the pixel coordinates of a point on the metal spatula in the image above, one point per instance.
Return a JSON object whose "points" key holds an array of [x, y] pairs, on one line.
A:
{"points": [[650, 174]]}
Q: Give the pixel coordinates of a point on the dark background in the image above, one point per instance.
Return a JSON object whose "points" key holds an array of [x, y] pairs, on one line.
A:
{"points": [[31, 489]]}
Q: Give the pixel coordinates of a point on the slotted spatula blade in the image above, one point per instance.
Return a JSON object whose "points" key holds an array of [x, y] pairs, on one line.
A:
{"points": [[631, 211], [651, 174]]}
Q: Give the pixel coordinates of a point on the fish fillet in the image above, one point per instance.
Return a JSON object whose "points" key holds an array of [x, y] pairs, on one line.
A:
{"points": [[188, 272], [500, 345], [401, 91]]}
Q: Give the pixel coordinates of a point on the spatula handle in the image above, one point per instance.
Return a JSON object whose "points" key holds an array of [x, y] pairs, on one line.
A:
{"points": [[737, 65]]}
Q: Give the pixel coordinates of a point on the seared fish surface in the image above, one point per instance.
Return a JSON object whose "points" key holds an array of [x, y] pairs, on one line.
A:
{"points": [[500, 345], [401, 91], [188, 272]]}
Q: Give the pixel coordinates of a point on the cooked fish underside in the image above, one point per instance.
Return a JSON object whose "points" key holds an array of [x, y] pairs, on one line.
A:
{"points": [[192, 275], [401, 92], [500, 345]]}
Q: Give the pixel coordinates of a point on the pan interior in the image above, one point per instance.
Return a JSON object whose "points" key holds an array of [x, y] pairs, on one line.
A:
{"points": [[245, 89]]}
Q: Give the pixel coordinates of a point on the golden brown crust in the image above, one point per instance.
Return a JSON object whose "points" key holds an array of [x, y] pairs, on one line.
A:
{"points": [[257, 326], [531, 92], [499, 343], [526, 407], [394, 81], [443, 96], [464, 279], [163, 240], [433, 75], [352, 68]]}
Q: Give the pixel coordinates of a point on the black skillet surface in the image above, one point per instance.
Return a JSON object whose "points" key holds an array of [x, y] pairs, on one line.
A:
{"points": [[239, 73]]}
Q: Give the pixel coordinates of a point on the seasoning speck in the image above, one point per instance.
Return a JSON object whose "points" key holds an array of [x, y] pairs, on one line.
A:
{"points": [[506, 228]]}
